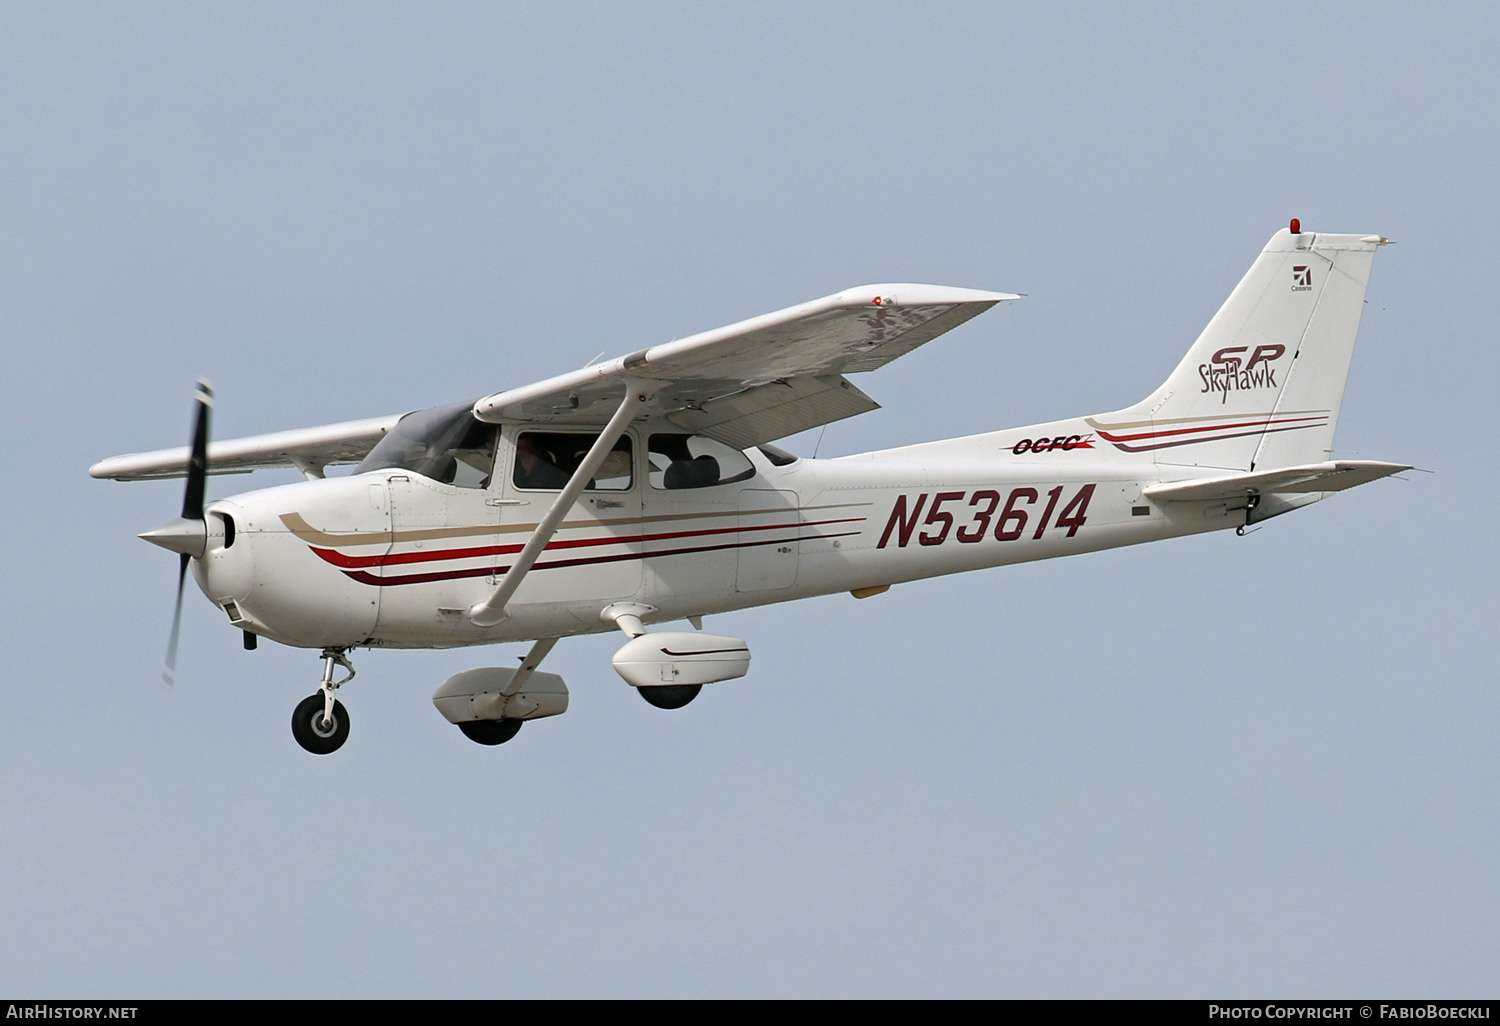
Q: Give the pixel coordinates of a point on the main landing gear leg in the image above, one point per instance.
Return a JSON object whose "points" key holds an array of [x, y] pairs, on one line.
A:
{"points": [[497, 732], [320, 722]]}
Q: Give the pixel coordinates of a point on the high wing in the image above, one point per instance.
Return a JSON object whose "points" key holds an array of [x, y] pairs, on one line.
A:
{"points": [[307, 449], [745, 384], [760, 379]]}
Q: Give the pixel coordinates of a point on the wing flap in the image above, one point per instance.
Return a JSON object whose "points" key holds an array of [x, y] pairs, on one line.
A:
{"points": [[1313, 477], [774, 410], [315, 447]]}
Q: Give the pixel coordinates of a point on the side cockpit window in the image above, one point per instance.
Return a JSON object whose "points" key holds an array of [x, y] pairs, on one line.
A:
{"points": [[547, 459], [445, 443], [693, 461]]}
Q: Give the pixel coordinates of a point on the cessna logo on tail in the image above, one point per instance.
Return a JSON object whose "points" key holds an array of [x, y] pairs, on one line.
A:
{"points": [[1301, 278], [1226, 372]]}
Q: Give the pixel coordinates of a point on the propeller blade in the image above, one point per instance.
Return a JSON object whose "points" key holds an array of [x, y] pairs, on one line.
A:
{"points": [[197, 471], [192, 509], [169, 670]]}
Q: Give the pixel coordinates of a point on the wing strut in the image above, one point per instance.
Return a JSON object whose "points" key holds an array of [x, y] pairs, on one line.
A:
{"points": [[529, 662], [492, 610]]}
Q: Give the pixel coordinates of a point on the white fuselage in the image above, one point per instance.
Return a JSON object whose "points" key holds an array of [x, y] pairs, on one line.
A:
{"points": [[394, 559]]}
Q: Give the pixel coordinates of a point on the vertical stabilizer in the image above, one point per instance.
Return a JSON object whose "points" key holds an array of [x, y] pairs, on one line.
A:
{"points": [[1262, 385]]}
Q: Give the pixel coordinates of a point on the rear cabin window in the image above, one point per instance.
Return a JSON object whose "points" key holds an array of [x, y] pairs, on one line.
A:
{"points": [[693, 461]]}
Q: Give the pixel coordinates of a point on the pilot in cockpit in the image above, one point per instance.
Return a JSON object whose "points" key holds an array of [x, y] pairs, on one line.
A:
{"points": [[534, 469]]}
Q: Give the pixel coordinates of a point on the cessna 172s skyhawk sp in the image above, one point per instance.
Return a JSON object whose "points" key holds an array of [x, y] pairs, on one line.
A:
{"points": [[646, 490]]}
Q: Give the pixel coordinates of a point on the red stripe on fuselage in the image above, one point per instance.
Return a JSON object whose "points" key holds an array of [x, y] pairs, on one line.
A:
{"points": [[1215, 438], [1213, 427], [484, 571], [348, 562]]}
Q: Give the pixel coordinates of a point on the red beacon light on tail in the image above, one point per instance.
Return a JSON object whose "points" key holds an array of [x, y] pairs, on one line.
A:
{"points": [[1296, 226]]}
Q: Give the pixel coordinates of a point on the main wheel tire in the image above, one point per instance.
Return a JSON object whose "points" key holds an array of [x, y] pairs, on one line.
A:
{"points": [[310, 730], [490, 732], [670, 696]]}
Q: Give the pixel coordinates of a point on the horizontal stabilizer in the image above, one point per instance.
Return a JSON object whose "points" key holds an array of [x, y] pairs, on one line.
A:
{"points": [[1314, 477]]}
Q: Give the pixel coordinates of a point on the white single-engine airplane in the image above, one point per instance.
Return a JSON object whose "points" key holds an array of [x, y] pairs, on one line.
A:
{"points": [[646, 490]]}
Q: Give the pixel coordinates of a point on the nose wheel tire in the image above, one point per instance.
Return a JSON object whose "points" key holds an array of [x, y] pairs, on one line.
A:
{"points": [[490, 732], [670, 696], [314, 733]]}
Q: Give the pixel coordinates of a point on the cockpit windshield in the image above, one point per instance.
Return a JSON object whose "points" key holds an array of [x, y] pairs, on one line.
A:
{"points": [[445, 443]]}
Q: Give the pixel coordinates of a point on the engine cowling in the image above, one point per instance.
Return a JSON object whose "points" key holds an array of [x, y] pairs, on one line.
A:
{"points": [[681, 657]]}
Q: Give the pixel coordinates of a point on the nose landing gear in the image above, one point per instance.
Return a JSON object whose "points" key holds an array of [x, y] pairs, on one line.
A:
{"points": [[320, 723]]}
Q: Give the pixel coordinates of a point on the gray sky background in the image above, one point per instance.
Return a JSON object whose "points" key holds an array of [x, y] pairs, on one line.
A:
{"points": [[1216, 766]]}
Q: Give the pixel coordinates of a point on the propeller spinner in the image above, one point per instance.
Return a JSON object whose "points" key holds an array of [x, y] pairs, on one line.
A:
{"points": [[187, 535]]}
